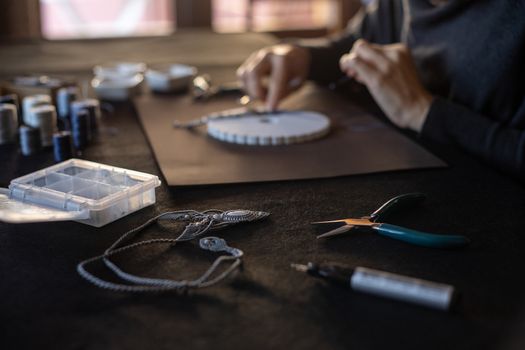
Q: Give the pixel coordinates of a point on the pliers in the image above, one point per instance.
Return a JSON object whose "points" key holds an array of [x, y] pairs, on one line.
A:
{"points": [[396, 232]]}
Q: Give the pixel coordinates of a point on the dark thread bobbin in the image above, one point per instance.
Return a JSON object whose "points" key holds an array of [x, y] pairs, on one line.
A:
{"points": [[81, 129], [65, 96], [8, 123], [62, 146], [29, 140], [92, 106], [12, 99]]}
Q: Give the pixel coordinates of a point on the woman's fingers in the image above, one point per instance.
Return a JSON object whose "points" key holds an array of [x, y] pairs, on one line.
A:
{"points": [[272, 73], [253, 72], [390, 75], [360, 69], [345, 62], [365, 62], [371, 53], [278, 86]]}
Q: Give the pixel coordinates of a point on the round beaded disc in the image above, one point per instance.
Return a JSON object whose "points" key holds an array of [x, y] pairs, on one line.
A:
{"points": [[281, 128]]}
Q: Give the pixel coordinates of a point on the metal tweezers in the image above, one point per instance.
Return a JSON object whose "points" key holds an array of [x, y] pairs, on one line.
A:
{"points": [[229, 114]]}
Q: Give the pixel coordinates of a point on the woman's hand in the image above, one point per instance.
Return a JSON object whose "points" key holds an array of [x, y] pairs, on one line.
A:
{"points": [[272, 73], [390, 75]]}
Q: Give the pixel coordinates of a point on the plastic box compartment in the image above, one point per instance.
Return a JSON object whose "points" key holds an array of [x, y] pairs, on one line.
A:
{"points": [[106, 192]]}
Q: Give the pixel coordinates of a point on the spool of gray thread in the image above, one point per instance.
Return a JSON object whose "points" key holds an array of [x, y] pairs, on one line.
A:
{"points": [[44, 118], [29, 140], [29, 102], [8, 123], [65, 96], [12, 99], [93, 108]]}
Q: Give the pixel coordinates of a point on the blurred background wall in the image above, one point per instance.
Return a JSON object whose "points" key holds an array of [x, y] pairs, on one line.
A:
{"points": [[89, 19], [20, 19]]}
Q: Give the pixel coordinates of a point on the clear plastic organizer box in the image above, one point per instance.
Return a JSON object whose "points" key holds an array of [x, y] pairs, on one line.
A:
{"points": [[91, 193]]}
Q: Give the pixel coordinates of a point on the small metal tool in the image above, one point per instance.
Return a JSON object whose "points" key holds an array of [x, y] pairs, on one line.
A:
{"points": [[204, 90], [228, 114], [396, 232]]}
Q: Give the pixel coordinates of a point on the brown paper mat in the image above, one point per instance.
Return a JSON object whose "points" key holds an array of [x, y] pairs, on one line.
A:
{"points": [[357, 144]]}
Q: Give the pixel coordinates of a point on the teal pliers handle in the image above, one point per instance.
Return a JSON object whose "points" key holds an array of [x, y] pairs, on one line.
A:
{"points": [[421, 238]]}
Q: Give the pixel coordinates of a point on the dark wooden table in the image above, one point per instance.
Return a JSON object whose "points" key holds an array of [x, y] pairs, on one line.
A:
{"points": [[45, 304]]}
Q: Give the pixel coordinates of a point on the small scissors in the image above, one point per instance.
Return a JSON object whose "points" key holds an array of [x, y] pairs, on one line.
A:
{"points": [[397, 232]]}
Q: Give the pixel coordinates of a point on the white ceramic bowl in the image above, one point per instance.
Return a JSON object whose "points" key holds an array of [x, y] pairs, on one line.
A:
{"points": [[117, 89], [170, 78], [117, 70]]}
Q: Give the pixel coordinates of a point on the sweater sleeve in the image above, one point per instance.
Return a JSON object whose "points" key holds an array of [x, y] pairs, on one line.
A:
{"points": [[500, 145], [379, 22]]}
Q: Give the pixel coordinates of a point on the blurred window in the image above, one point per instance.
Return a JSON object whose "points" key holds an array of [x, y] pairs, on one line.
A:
{"points": [[73, 19], [273, 15]]}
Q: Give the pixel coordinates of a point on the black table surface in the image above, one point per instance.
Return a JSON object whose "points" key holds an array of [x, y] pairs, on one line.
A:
{"points": [[45, 304]]}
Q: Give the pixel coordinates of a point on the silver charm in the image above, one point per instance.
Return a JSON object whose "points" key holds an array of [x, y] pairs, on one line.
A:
{"points": [[216, 244], [235, 216], [201, 222]]}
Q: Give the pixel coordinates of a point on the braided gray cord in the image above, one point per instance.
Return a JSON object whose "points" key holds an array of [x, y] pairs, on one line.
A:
{"points": [[200, 222]]}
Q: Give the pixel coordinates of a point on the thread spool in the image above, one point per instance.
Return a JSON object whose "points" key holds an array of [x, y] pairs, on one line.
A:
{"points": [[80, 129], [45, 119], [29, 102], [29, 140], [65, 96], [62, 146], [8, 123], [93, 108], [12, 99]]}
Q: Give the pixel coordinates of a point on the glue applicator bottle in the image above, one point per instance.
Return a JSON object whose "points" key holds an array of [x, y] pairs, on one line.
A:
{"points": [[385, 284]]}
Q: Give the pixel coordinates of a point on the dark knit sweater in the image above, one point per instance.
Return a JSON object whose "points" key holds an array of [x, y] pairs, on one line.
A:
{"points": [[470, 55]]}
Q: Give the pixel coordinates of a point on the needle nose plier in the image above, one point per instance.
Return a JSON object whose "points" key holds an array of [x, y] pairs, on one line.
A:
{"points": [[373, 222]]}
